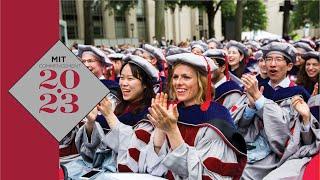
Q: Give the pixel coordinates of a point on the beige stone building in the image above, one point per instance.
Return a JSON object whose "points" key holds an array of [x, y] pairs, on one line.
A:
{"points": [[135, 25], [275, 20]]}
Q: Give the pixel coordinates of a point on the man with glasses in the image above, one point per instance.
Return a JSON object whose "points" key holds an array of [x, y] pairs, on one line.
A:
{"points": [[280, 132]]}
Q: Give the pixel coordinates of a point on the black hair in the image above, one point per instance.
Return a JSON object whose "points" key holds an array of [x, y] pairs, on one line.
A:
{"points": [[148, 92], [220, 62]]}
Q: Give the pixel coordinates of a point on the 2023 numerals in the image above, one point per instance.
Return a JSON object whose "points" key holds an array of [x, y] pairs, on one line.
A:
{"points": [[68, 99]]}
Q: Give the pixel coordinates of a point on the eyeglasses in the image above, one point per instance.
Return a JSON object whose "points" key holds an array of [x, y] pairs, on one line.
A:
{"points": [[276, 59], [88, 61]]}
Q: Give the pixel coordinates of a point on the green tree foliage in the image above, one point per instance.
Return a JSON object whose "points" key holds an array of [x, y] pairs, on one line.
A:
{"points": [[121, 6], [210, 6], [253, 18], [228, 9], [306, 12], [254, 15]]}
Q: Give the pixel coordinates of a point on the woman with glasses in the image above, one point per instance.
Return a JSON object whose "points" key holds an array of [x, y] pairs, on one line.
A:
{"points": [[95, 60]]}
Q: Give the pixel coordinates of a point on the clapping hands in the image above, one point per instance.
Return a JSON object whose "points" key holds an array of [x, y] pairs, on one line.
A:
{"points": [[251, 88], [302, 108], [163, 117]]}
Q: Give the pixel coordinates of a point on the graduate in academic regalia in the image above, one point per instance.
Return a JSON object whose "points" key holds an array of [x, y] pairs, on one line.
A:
{"points": [[237, 55], [279, 130], [198, 47], [194, 139], [117, 62], [214, 44], [95, 60], [302, 47], [138, 84], [98, 63], [202, 141], [262, 75], [308, 76], [227, 92], [156, 57]]}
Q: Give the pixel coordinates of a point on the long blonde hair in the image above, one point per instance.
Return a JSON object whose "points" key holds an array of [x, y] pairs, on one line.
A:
{"points": [[201, 80]]}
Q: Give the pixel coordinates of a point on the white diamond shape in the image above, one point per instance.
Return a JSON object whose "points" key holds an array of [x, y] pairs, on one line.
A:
{"points": [[89, 90]]}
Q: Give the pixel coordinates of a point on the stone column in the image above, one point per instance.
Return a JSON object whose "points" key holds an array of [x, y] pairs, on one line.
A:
{"points": [[80, 18], [108, 22], [131, 18], [150, 19]]}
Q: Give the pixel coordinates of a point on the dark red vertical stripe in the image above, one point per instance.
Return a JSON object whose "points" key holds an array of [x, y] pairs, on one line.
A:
{"points": [[28, 30], [188, 133]]}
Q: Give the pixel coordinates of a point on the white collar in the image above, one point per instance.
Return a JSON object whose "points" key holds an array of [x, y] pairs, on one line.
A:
{"points": [[102, 77], [283, 84], [223, 80]]}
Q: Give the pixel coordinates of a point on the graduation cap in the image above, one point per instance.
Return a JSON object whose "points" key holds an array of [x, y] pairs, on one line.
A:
{"points": [[303, 45], [258, 55], [285, 49], [253, 45], [116, 56], [309, 42], [199, 44], [95, 52], [176, 50], [312, 54], [129, 51], [147, 67], [241, 47], [202, 62], [108, 51], [156, 52], [270, 40], [214, 40], [219, 55]]}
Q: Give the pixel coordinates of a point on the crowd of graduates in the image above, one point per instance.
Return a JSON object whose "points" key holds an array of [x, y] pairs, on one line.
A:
{"points": [[202, 110]]}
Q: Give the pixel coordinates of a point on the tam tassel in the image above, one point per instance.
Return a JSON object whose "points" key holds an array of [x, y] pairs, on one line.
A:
{"points": [[205, 105]]}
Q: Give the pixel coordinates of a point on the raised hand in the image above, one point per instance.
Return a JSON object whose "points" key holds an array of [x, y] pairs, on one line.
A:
{"points": [[105, 107], [164, 118], [161, 99], [302, 108], [92, 115], [315, 90], [251, 88]]}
